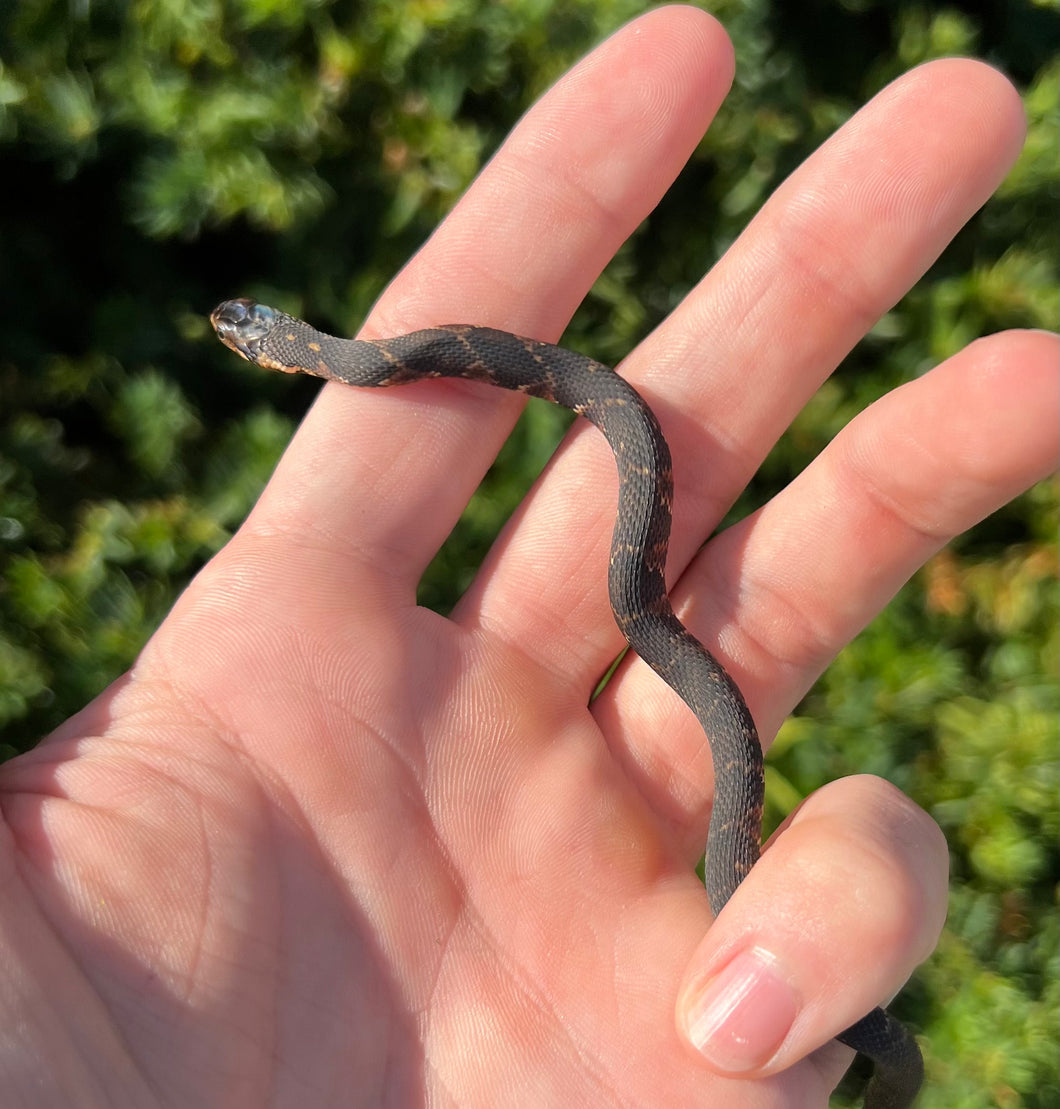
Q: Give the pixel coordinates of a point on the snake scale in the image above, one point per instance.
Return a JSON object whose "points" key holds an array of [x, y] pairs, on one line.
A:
{"points": [[636, 579]]}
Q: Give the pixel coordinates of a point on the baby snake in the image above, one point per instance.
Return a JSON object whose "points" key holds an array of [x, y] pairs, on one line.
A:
{"points": [[636, 581]]}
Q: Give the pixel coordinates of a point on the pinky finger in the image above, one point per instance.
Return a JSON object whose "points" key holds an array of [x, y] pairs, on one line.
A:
{"points": [[921, 465]]}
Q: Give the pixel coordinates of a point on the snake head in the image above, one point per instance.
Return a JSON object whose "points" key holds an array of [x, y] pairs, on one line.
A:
{"points": [[242, 324]]}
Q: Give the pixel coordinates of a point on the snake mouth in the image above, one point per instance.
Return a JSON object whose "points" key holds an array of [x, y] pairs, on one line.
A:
{"points": [[241, 324]]}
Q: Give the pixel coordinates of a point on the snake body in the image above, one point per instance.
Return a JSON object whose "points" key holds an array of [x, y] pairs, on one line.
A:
{"points": [[636, 577]]}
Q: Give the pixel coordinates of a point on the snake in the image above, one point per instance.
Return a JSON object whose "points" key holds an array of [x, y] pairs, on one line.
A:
{"points": [[274, 340]]}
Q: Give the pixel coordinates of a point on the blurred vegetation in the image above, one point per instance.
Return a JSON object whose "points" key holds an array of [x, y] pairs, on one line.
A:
{"points": [[160, 156]]}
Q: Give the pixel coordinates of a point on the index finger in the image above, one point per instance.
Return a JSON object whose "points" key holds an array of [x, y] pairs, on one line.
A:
{"points": [[519, 252]]}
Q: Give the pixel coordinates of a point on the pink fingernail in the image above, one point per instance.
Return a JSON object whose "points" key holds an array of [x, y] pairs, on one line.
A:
{"points": [[740, 1016]]}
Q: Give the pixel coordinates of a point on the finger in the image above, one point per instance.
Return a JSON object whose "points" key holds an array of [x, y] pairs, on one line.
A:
{"points": [[383, 475], [784, 590], [841, 240], [849, 897]]}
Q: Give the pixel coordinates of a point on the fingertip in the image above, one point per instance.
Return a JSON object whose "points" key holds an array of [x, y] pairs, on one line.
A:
{"points": [[980, 89], [687, 20], [1006, 387], [1029, 353], [707, 32]]}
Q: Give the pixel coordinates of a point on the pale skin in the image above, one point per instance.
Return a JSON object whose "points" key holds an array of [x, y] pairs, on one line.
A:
{"points": [[320, 847]]}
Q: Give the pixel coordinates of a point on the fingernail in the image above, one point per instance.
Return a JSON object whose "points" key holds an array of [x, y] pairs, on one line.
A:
{"points": [[739, 1018]]}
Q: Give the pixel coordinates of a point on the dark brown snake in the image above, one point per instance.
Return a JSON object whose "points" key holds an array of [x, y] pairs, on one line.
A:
{"points": [[636, 580]]}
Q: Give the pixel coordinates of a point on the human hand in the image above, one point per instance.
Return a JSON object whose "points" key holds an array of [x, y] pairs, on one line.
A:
{"points": [[321, 846]]}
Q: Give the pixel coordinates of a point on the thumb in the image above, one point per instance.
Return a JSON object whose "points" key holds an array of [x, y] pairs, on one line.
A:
{"points": [[849, 896]]}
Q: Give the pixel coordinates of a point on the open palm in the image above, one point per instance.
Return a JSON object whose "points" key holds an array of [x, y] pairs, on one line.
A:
{"points": [[321, 847]]}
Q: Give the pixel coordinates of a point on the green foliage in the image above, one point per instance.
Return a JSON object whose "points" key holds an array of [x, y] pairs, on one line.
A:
{"points": [[162, 156]]}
